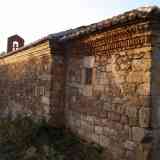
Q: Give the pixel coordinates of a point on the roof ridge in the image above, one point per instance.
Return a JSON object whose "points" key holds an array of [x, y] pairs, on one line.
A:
{"points": [[139, 13]]}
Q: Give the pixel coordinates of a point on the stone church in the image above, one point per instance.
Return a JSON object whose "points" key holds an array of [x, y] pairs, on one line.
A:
{"points": [[101, 81]]}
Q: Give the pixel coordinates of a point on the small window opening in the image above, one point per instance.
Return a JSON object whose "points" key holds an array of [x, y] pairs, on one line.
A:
{"points": [[88, 75], [15, 46]]}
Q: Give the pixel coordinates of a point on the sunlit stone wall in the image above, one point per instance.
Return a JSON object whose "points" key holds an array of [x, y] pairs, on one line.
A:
{"points": [[112, 109]]}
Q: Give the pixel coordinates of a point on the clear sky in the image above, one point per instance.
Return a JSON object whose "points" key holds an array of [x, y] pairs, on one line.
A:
{"points": [[33, 19]]}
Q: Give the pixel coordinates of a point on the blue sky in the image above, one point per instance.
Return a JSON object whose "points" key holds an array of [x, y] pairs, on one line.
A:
{"points": [[33, 19]]}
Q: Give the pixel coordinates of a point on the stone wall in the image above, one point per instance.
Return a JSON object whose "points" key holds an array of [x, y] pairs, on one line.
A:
{"points": [[100, 81], [155, 89], [57, 92], [26, 86], [113, 108]]}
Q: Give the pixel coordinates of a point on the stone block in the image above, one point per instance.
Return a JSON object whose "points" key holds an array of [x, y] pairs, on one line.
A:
{"points": [[110, 132], [95, 138], [90, 119], [130, 145], [118, 126], [124, 119], [46, 109], [77, 123], [114, 116], [144, 117], [141, 64], [130, 155], [144, 89], [103, 80], [138, 134], [120, 109], [107, 107], [126, 133], [117, 151], [98, 130], [98, 121], [131, 111], [106, 131], [133, 121], [45, 100], [128, 89], [104, 141], [139, 76], [117, 100], [144, 101], [89, 61], [120, 79], [109, 68], [45, 77], [87, 91], [104, 121]]}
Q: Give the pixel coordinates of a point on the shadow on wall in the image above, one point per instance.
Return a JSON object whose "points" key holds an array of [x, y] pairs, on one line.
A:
{"points": [[57, 88], [23, 86]]}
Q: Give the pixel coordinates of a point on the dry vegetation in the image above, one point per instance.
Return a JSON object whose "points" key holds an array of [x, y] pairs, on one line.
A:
{"points": [[23, 139]]}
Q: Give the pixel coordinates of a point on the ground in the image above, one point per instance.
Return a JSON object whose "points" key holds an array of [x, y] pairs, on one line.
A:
{"points": [[23, 139]]}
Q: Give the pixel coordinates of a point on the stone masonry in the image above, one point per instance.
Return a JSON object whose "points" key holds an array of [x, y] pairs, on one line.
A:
{"points": [[100, 81]]}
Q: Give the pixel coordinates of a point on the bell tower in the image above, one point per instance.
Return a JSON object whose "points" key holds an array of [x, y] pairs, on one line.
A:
{"points": [[14, 42]]}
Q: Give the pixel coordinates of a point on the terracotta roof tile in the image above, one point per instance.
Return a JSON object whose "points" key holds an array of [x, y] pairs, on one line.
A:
{"points": [[139, 13]]}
